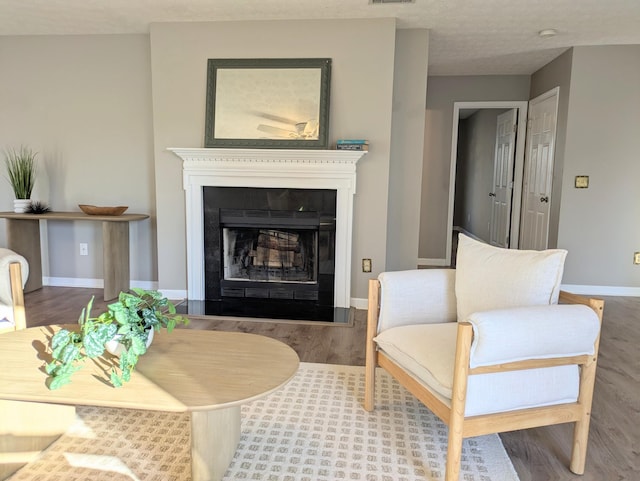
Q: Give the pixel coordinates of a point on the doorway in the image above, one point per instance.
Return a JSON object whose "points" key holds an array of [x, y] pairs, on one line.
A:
{"points": [[482, 193]]}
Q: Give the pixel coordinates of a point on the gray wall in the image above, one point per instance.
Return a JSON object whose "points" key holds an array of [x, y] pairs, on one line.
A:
{"points": [[442, 92], [407, 146], [474, 172], [556, 74], [362, 54], [83, 103], [598, 225]]}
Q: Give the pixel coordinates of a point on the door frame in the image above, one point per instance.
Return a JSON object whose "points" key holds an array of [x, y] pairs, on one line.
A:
{"points": [[522, 106]]}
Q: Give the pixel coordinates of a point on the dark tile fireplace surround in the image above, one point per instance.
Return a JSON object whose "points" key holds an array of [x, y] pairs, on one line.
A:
{"points": [[269, 253]]}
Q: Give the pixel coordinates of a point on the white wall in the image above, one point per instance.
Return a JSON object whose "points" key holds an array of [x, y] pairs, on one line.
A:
{"points": [[599, 225], [362, 53], [84, 103]]}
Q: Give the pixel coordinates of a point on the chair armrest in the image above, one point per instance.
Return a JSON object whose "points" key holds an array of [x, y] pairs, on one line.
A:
{"points": [[416, 297], [539, 332], [7, 257]]}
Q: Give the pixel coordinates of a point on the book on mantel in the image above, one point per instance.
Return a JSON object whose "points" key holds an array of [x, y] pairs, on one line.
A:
{"points": [[352, 144]]}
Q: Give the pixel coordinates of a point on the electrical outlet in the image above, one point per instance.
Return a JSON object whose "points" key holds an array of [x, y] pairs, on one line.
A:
{"points": [[366, 265], [636, 257], [84, 249]]}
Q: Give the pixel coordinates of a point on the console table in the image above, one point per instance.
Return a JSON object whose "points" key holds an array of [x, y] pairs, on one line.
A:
{"points": [[23, 237]]}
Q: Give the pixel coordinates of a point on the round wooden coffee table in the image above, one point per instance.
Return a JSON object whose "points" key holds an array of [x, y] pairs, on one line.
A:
{"points": [[209, 374]]}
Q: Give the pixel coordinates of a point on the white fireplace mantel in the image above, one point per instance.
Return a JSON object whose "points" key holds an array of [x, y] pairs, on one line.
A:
{"points": [[269, 168]]}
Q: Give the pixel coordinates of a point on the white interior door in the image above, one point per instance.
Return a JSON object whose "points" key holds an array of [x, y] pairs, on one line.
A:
{"points": [[501, 194], [538, 171]]}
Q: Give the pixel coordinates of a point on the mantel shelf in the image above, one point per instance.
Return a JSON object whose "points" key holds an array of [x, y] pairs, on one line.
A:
{"points": [[296, 156]]}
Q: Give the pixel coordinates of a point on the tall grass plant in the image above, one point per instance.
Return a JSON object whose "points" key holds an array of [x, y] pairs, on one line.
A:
{"points": [[21, 171]]}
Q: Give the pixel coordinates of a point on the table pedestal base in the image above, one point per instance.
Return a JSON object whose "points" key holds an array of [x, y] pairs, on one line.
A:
{"points": [[214, 438]]}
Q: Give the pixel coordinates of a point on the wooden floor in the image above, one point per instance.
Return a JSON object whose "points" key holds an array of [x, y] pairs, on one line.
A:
{"points": [[540, 454]]}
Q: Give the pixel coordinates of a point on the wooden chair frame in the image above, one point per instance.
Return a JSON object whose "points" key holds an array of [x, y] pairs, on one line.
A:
{"points": [[461, 426], [17, 296]]}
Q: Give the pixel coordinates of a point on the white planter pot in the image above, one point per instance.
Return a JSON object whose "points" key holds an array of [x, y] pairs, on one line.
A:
{"points": [[114, 347], [20, 206]]}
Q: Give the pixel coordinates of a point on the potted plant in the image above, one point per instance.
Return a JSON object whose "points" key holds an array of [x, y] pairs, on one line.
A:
{"points": [[21, 173], [130, 321]]}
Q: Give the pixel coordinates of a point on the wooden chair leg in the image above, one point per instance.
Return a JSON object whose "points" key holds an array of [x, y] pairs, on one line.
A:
{"points": [[371, 354], [369, 387], [454, 455], [581, 428], [17, 295]]}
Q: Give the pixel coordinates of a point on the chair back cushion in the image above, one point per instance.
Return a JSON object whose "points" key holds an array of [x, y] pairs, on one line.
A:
{"points": [[416, 297], [489, 277]]}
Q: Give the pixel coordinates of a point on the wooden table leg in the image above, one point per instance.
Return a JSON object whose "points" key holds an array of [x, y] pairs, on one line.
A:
{"points": [[23, 237], [115, 258], [214, 438], [27, 428]]}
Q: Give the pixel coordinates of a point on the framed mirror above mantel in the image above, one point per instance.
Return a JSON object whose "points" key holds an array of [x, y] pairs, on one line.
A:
{"points": [[273, 103]]}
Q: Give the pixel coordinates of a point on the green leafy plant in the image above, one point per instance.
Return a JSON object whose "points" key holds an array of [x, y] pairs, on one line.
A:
{"points": [[128, 320], [21, 171]]}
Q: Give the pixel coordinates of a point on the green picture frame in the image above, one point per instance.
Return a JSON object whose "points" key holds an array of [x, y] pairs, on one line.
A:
{"points": [[278, 103]]}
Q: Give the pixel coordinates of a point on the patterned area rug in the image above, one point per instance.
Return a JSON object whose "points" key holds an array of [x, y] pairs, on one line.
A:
{"points": [[313, 429]]}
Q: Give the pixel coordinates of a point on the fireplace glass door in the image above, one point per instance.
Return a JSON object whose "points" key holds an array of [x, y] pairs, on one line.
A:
{"points": [[270, 254]]}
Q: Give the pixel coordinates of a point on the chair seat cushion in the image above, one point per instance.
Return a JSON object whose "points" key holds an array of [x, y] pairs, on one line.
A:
{"points": [[427, 352]]}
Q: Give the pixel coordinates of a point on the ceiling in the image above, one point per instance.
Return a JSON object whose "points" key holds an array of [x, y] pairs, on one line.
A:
{"points": [[468, 37]]}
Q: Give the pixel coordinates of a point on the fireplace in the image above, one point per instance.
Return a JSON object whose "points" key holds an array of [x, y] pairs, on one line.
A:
{"points": [[269, 231], [270, 243]]}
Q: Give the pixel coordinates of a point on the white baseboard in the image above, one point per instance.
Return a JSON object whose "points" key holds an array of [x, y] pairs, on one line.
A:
{"points": [[601, 290], [91, 283], [359, 303], [73, 282], [174, 293], [433, 262]]}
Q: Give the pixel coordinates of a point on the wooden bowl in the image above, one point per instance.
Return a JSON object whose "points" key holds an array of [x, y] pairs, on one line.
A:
{"points": [[94, 210]]}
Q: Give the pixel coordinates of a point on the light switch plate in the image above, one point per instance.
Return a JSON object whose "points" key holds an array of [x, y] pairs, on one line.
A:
{"points": [[582, 181], [366, 265]]}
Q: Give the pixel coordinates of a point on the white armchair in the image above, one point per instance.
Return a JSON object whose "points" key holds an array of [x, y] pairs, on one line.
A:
{"points": [[514, 359], [14, 271]]}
